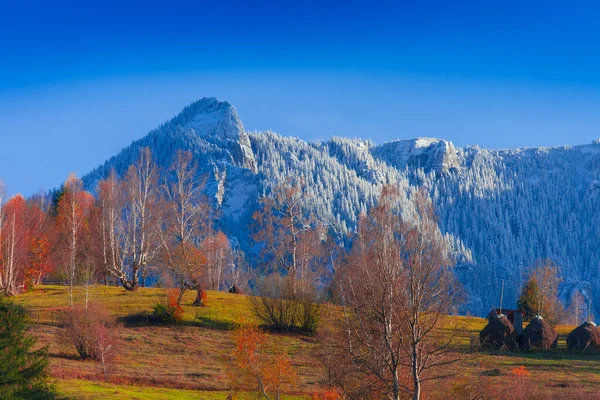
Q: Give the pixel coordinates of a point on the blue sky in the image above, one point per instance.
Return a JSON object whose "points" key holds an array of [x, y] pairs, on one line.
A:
{"points": [[80, 81]]}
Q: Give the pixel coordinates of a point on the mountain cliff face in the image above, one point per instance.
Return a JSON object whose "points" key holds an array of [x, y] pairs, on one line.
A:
{"points": [[429, 154], [501, 210]]}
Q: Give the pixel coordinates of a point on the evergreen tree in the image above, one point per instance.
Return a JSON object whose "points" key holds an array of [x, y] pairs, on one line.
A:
{"points": [[528, 301], [23, 371]]}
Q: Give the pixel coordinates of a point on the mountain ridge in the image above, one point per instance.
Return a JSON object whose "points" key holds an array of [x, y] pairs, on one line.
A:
{"points": [[500, 209]]}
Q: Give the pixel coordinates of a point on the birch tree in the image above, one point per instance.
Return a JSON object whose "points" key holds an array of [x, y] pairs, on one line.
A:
{"points": [[396, 287], [218, 256], [284, 227], [130, 218], [13, 246], [74, 208], [182, 228]]}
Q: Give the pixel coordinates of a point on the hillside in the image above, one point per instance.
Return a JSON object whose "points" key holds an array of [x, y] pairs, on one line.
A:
{"points": [[501, 209], [190, 360]]}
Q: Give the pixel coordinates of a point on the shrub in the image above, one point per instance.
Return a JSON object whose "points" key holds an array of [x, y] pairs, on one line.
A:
{"points": [[521, 371], [311, 311], [91, 330], [258, 363], [327, 394], [23, 371], [283, 305], [169, 312]]}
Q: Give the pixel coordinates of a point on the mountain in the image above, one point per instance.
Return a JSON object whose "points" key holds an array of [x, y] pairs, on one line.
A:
{"points": [[501, 210]]}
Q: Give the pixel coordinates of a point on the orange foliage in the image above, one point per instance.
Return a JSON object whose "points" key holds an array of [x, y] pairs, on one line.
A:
{"points": [[327, 394], [190, 260], [39, 247], [520, 372], [259, 364], [173, 304], [24, 245], [203, 298]]}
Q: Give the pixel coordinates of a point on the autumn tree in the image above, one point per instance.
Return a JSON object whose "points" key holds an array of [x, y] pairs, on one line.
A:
{"points": [[109, 224], [130, 221], [259, 364], [25, 250], [218, 258], [13, 245], [397, 289], [237, 272], [184, 224], [313, 256], [540, 294], [40, 230], [4, 249], [578, 308], [73, 224], [287, 231]]}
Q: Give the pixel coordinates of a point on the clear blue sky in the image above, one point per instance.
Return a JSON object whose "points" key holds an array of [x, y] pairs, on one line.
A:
{"points": [[80, 81]]}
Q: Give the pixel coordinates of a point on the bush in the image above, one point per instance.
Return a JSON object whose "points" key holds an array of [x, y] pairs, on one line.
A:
{"points": [[91, 330], [328, 394], [23, 371], [259, 363], [311, 310], [281, 305], [169, 312]]}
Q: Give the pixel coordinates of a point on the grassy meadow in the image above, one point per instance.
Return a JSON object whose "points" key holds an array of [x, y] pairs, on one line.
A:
{"points": [[191, 360]]}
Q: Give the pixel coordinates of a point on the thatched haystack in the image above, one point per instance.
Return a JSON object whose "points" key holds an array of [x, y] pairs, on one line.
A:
{"points": [[538, 335], [498, 334], [585, 337]]}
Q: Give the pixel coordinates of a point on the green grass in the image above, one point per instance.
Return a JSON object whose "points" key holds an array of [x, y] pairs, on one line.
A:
{"points": [[158, 360], [223, 311], [191, 360], [80, 389]]}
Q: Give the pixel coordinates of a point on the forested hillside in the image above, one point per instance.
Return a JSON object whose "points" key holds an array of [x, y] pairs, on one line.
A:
{"points": [[501, 209]]}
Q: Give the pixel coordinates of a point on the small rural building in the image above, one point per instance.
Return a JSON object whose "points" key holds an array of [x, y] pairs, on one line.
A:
{"points": [[514, 316]]}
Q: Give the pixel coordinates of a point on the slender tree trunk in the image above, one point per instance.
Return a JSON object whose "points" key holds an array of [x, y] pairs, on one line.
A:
{"points": [[10, 281], [396, 386], [415, 374]]}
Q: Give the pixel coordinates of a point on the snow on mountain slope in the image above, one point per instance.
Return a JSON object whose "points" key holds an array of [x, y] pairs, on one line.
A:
{"points": [[217, 122], [501, 209], [427, 153]]}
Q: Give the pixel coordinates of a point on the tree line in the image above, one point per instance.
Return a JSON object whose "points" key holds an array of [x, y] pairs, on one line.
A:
{"points": [[394, 285], [145, 223]]}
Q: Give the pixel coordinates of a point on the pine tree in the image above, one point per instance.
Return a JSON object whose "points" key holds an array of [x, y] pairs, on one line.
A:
{"points": [[528, 301], [23, 371]]}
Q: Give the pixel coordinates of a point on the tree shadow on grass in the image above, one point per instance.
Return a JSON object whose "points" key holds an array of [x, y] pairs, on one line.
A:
{"points": [[65, 356], [143, 319], [207, 322], [550, 355]]}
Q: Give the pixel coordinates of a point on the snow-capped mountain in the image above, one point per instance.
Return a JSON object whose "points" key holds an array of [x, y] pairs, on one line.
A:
{"points": [[500, 209]]}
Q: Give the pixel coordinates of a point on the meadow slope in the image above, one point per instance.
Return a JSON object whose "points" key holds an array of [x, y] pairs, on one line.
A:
{"points": [[191, 360]]}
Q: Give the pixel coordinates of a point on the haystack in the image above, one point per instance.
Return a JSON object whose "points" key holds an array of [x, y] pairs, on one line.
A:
{"points": [[538, 335], [498, 334], [585, 337]]}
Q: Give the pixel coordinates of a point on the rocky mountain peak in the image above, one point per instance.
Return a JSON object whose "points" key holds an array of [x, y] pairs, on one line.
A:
{"points": [[218, 123]]}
